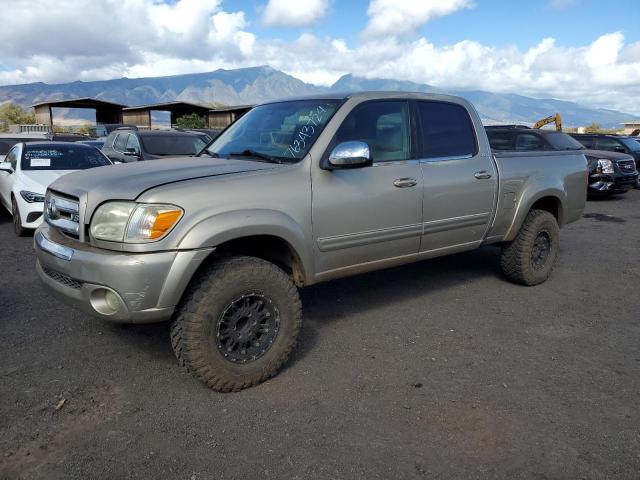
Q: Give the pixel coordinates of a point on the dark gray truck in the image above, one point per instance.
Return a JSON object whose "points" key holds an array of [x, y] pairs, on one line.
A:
{"points": [[294, 193]]}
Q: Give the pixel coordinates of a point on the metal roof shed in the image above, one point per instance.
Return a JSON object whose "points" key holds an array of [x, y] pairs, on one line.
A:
{"points": [[140, 115], [224, 116], [106, 112]]}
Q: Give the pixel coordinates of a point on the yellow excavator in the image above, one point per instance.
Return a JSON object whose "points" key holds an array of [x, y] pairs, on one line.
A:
{"points": [[557, 119]]}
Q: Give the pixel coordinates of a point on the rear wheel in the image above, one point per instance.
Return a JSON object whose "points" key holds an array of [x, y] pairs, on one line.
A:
{"points": [[237, 324], [530, 257], [19, 230]]}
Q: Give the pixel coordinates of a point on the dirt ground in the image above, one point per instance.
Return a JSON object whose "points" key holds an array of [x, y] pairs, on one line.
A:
{"points": [[440, 369]]}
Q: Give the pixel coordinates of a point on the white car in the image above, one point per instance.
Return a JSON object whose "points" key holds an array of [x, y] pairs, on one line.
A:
{"points": [[29, 168]]}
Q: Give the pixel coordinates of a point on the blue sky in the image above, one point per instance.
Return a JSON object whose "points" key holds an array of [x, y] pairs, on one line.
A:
{"points": [[492, 22], [581, 50]]}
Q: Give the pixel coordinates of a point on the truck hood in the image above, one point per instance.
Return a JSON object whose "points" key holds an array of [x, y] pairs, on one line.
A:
{"points": [[613, 156], [127, 181]]}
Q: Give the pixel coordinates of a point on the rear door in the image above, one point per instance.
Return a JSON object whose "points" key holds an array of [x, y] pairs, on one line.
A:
{"points": [[460, 182]]}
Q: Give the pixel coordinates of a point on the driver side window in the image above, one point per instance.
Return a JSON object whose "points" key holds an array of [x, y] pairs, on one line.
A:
{"points": [[12, 158], [132, 142], [384, 126]]}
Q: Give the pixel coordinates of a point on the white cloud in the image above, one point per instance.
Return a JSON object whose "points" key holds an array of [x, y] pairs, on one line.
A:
{"points": [[136, 38], [294, 13], [562, 4], [404, 17]]}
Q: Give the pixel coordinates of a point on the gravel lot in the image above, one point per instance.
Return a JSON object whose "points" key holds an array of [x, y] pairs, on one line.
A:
{"points": [[435, 370]]}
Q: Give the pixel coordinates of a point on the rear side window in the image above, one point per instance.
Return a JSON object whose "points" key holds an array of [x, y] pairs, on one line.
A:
{"points": [[446, 130], [121, 142], [500, 140], [526, 142]]}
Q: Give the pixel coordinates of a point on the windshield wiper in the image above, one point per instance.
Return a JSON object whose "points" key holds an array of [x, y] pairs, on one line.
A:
{"points": [[208, 153], [253, 153]]}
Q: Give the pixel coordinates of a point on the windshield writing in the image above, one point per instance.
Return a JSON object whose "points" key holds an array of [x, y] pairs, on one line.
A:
{"points": [[282, 131]]}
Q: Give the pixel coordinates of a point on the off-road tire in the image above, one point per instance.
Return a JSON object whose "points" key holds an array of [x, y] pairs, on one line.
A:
{"points": [[19, 230], [193, 331], [517, 262]]}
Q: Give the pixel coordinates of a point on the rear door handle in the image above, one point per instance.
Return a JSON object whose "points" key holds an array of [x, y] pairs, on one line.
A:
{"points": [[483, 175], [405, 182]]}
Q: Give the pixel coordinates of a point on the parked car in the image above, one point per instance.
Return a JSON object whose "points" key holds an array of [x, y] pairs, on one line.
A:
{"points": [[612, 143], [8, 140], [29, 168], [609, 172], [130, 144], [294, 193], [94, 143], [212, 132]]}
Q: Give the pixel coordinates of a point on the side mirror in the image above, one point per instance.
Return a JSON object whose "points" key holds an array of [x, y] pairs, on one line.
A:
{"points": [[352, 154], [620, 149], [132, 152], [6, 167]]}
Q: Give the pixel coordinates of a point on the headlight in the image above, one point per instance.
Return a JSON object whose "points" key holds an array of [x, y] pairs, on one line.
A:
{"points": [[31, 197], [133, 222], [604, 166]]}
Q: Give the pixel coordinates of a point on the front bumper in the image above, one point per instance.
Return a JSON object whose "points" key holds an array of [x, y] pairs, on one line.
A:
{"points": [[144, 287], [30, 213], [614, 183]]}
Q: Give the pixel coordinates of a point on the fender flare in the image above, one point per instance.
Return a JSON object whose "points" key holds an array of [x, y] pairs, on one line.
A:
{"points": [[531, 193], [223, 227]]}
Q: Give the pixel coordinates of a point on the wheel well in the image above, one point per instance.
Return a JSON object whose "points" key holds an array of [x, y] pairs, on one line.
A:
{"points": [[551, 205], [267, 247]]}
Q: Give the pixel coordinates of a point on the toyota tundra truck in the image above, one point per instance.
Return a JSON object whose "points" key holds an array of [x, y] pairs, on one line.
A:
{"points": [[296, 192]]}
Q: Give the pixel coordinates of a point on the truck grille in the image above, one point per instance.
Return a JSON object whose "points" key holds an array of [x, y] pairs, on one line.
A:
{"points": [[627, 166], [63, 213], [62, 278]]}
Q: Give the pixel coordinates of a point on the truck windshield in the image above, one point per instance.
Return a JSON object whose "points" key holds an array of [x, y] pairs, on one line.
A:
{"points": [[279, 132], [562, 141]]}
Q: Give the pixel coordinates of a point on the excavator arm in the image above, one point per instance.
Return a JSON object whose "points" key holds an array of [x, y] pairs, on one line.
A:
{"points": [[557, 119]]}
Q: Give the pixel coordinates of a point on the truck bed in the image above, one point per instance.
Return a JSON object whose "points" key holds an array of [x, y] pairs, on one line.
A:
{"points": [[526, 176]]}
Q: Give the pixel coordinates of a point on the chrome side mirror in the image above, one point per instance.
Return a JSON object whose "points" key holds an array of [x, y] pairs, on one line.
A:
{"points": [[352, 154]]}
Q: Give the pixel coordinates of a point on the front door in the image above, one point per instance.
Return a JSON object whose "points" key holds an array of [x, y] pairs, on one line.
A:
{"points": [[372, 213], [7, 179], [459, 182]]}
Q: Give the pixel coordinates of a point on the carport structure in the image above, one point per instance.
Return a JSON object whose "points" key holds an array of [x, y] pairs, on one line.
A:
{"points": [[140, 116], [225, 116], [106, 112]]}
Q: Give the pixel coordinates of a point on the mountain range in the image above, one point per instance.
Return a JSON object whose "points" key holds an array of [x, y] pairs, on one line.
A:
{"points": [[258, 84]]}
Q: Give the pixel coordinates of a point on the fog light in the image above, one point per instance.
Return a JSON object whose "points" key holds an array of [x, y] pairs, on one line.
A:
{"points": [[112, 300], [105, 301]]}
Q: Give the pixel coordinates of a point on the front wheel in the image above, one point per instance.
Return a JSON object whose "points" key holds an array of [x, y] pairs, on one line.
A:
{"points": [[18, 229], [237, 324], [530, 257]]}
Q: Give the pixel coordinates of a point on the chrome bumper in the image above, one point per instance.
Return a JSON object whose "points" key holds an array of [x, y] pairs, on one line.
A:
{"points": [[115, 286]]}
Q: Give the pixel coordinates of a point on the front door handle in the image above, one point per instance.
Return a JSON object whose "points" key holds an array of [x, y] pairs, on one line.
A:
{"points": [[405, 182], [483, 175]]}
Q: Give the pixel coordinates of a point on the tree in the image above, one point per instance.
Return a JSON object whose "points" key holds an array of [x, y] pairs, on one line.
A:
{"points": [[11, 114], [191, 121], [593, 128]]}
